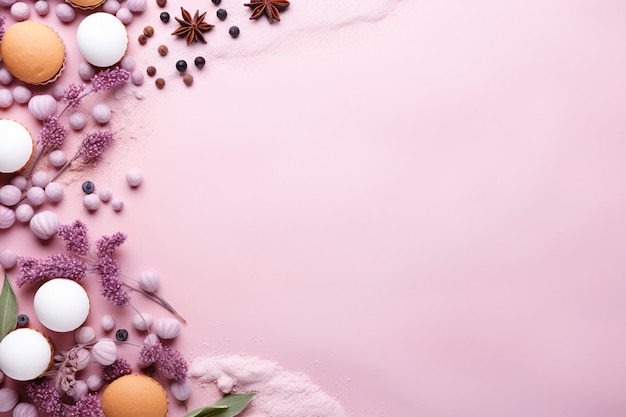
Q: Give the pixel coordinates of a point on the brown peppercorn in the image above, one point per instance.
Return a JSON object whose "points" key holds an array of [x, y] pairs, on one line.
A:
{"points": [[142, 39], [161, 3], [160, 83], [151, 71], [148, 31], [163, 50], [188, 79]]}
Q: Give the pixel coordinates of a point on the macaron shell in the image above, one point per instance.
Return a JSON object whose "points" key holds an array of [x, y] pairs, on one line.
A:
{"points": [[25, 354], [16, 146], [33, 52], [102, 39], [134, 396], [86, 4]]}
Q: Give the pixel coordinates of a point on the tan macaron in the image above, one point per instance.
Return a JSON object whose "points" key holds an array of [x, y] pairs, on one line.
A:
{"points": [[134, 396], [33, 52]]}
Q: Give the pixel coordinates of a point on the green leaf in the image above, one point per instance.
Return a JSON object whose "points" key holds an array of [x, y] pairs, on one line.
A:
{"points": [[229, 406], [8, 308]]}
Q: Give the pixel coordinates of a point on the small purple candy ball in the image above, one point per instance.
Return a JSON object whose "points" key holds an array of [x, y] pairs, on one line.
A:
{"points": [[57, 158], [24, 212], [105, 195], [20, 182], [101, 113], [8, 258], [54, 192], [20, 11], [41, 179], [128, 63], [117, 204], [77, 120], [137, 77], [86, 71], [91, 202], [125, 15], [134, 177], [6, 98], [65, 13], [21, 94], [42, 8], [111, 6], [6, 77], [36, 196]]}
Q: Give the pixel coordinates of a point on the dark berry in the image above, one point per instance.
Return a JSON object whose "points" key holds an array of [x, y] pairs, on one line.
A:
{"points": [[234, 31], [22, 320], [216, 2], [221, 14], [121, 335], [181, 65], [88, 187], [165, 17], [199, 62]]}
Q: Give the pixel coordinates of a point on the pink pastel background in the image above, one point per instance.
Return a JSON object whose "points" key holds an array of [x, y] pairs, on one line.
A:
{"points": [[421, 206]]}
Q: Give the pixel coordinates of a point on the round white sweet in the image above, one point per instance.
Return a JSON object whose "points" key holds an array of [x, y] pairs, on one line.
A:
{"points": [[102, 39], [25, 354], [16, 146], [62, 305]]}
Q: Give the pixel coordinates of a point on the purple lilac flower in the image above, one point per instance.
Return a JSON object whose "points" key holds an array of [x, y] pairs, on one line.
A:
{"points": [[117, 369], [59, 265], [87, 406], [53, 134], [94, 144], [149, 354], [111, 286], [109, 78], [45, 397], [75, 237], [72, 94], [172, 365], [106, 245], [30, 270]]}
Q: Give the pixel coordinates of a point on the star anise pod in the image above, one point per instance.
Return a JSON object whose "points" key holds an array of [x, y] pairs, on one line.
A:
{"points": [[271, 8], [192, 27]]}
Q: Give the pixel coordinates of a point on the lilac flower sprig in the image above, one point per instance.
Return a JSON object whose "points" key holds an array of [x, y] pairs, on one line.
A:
{"points": [[91, 148], [78, 262]]}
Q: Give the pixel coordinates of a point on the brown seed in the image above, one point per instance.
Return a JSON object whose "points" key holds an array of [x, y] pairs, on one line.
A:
{"points": [[160, 83], [188, 79], [161, 3], [142, 39], [162, 50], [148, 31], [151, 71]]}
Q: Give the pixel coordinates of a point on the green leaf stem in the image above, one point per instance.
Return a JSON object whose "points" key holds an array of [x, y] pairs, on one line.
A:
{"points": [[229, 406], [8, 308]]}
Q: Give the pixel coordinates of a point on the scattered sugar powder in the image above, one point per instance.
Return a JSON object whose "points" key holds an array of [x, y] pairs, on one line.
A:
{"points": [[280, 393]]}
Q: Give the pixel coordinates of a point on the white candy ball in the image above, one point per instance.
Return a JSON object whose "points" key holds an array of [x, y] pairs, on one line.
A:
{"points": [[104, 352], [7, 217], [42, 106], [181, 390], [8, 258], [20, 11], [86, 71], [101, 113], [149, 281], [125, 15], [58, 92], [57, 158], [54, 192], [137, 6], [21, 94], [61, 305], [6, 77], [77, 120], [84, 335], [10, 195], [36, 196], [41, 179], [20, 182], [42, 8], [167, 328], [105, 195], [142, 321], [102, 39], [44, 224], [25, 354], [128, 63], [94, 382], [111, 6], [137, 77], [91, 202], [117, 204], [24, 213], [65, 13], [8, 399], [107, 322], [134, 177], [6, 98]]}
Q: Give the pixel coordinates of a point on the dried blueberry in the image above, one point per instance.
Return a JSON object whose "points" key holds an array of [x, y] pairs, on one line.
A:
{"points": [[165, 17], [233, 31], [22, 320], [88, 187], [181, 65], [199, 62], [221, 14], [121, 335], [216, 2]]}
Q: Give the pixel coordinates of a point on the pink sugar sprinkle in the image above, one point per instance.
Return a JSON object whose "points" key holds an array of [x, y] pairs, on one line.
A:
{"points": [[280, 393]]}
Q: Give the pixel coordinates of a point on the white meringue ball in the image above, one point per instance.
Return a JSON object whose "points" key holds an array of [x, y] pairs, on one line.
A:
{"points": [[7, 217], [84, 335], [8, 258], [94, 382], [54, 192], [61, 305], [10, 195], [104, 352], [42, 106], [57, 158], [91, 202], [18, 366], [149, 281], [134, 177], [41, 179], [20, 11], [142, 321], [36, 196], [42, 8], [24, 213], [107, 322], [167, 328]]}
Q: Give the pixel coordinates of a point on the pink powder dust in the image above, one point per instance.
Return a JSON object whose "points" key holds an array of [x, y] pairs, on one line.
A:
{"points": [[280, 393]]}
